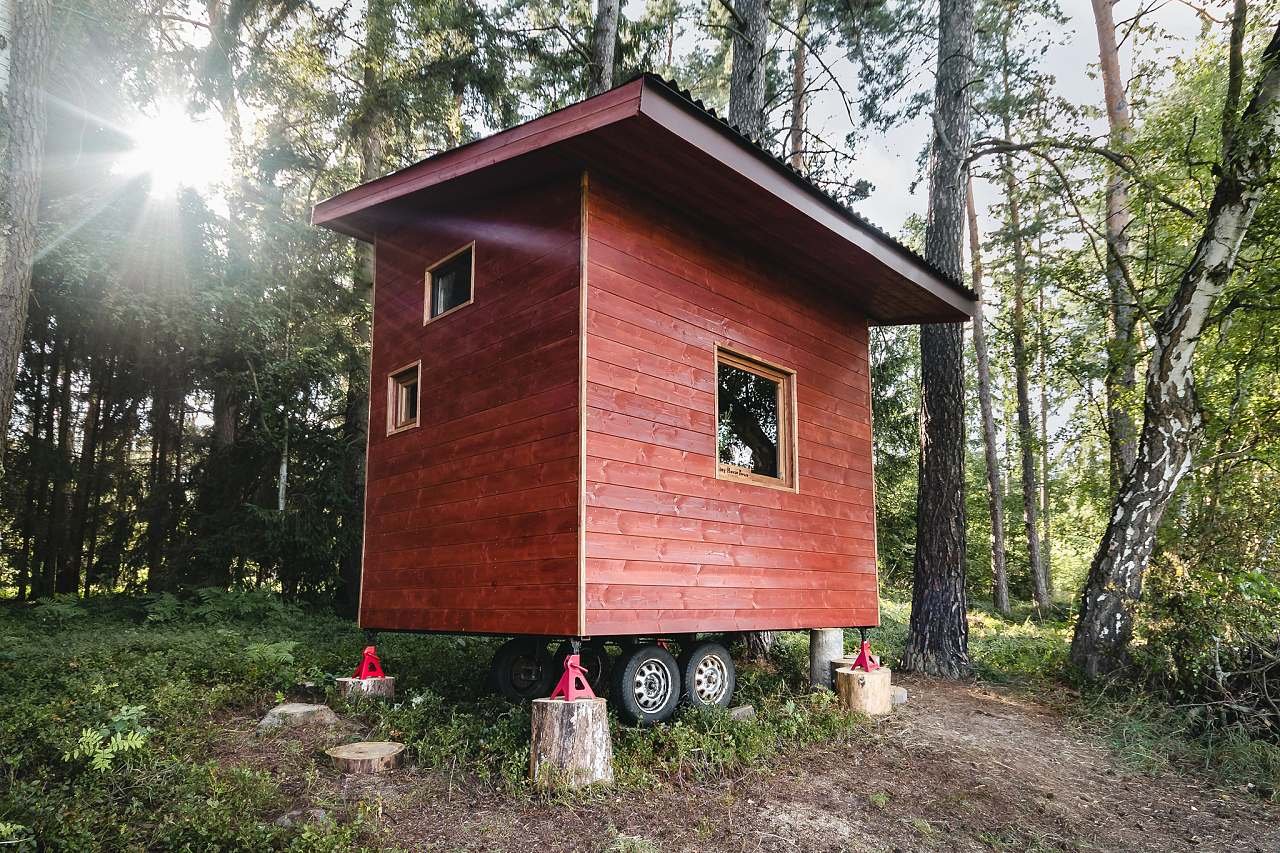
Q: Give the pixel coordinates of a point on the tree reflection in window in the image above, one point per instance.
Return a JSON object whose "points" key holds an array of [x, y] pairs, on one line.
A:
{"points": [[748, 422]]}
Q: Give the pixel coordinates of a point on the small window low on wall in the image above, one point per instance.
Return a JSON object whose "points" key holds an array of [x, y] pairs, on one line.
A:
{"points": [[403, 397], [449, 283], [755, 421]]}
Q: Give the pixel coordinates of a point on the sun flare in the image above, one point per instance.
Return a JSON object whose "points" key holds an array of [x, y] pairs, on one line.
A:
{"points": [[175, 149]]}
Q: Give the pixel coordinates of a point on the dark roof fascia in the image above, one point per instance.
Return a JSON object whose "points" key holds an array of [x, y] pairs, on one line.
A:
{"points": [[776, 177]]}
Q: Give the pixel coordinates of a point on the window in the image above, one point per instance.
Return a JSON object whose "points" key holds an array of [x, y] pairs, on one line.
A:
{"points": [[449, 283], [754, 421], [402, 398]]}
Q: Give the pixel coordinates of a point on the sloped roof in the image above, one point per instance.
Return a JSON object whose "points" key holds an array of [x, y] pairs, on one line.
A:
{"points": [[658, 138]]}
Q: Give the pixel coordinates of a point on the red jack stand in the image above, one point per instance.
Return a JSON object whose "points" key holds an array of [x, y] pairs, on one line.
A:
{"points": [[573, 684], [866, 661], [370, 666]]}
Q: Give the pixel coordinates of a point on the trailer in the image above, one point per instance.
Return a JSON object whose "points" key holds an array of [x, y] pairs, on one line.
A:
{"points": [[620, 394]]}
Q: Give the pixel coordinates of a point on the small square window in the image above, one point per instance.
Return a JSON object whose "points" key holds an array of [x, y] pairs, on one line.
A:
{"points": [[402, 398], [754, 421], [449, 283]]}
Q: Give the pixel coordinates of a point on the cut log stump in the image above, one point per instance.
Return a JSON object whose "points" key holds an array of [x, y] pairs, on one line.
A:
{"points": [[377, 756], [382, 688], [826, 645], [570, 743], [869, 693]]}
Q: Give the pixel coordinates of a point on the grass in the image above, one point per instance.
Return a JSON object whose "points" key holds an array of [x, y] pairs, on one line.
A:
{"points": [[113, 706]]}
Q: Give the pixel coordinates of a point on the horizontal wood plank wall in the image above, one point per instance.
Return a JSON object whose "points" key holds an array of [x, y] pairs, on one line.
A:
{"points": [[669, 547], [472, 517]]}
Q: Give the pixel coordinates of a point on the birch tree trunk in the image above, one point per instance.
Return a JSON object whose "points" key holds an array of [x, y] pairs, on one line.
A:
{"points": [[746, 82], [1171, 413], [995, 494], [1121, 356], [938, 637], [26, 114], [604, 38]]}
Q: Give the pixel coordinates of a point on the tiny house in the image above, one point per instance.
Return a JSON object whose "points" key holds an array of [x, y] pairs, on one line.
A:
{"points": [[620, 391]]}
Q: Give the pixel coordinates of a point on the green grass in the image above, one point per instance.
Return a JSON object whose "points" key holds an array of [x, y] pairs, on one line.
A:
{"points": [[112, 708]]}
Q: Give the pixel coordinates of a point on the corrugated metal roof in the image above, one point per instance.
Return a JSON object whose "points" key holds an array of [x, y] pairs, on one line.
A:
{"points": [[861, 221]]}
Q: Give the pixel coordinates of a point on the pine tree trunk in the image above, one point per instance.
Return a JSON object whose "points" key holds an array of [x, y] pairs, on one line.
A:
{"points": [[995, 494], [799, 95], [1172, 417], [1046, 541], [747, 80], [1021, 367], [56, 561], [1121, 354], [604, 38], [85, 474], [938, 637], [22, 168]]}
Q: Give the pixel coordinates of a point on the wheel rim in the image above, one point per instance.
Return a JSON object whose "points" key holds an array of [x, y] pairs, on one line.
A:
{"points": [[652, 686], [525, 672], [710, 679]]}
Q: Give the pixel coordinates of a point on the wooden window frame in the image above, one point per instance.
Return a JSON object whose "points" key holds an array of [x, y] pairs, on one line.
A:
{"points": [[428, 284], [788, 452], [393, 398]]}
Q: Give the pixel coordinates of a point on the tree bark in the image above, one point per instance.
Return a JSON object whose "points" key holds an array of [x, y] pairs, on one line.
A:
{"points": [[995, 494], [1121, 356], [1171, 413], [604, 38], [20, 195], [1026, 436], [85, 474], [747, 79], [1046, 540], [938, 636], [799, 95], [57, 576]]}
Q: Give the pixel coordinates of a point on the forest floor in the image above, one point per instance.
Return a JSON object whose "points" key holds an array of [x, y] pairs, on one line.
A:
{"points": [[959, 767]]}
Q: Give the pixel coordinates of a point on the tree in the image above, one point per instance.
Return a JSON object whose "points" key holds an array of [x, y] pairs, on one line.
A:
{"points": [[26, 117], [604, 38], [1121, 357], [750, 20], [938, 636], [995, 492], [1172, 419]]}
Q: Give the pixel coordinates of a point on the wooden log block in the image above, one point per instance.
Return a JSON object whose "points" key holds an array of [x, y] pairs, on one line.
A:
{"points": [[376, 756], [867, 693], [825, 645], [382, 688], [570, 743]]}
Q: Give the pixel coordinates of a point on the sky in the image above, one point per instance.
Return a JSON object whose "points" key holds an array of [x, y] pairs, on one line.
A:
{"points": [[891, 159]]}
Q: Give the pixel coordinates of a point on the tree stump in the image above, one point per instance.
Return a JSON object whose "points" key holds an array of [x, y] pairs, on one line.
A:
{"points": [[867, 693], [570, 743], [382, 688], [297, 714], [825, 645], [376, 756]]}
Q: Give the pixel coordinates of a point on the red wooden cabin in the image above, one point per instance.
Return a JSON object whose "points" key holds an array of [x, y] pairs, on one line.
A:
{"points": [[620, 381]]}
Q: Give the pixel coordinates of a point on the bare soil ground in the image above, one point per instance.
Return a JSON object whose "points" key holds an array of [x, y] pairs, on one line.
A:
{"points": [[960, 767]]}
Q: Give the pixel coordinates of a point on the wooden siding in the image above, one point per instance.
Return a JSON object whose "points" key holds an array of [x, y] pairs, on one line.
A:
{"points": [[669, 547], [471, 517]]}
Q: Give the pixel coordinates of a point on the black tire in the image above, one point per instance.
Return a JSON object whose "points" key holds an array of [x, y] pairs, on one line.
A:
{"points": [[646, 685], [708, 675], [521, 670], [595, 660]]}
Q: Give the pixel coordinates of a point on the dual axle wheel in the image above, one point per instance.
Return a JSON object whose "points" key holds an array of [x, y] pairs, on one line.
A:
{"points": [[648, 683]]}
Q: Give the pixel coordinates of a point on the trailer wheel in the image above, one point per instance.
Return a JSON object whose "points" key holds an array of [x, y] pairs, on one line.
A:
{"points": [[521, 670], [709, 675], [646, 685]]}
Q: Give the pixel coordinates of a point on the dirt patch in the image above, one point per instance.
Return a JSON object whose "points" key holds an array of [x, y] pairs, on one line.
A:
{"points": [[960, 767]]}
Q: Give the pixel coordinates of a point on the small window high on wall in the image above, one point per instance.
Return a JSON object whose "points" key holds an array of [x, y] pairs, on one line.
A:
{"points": [[449, 282], [755, 421], [403, 397]]}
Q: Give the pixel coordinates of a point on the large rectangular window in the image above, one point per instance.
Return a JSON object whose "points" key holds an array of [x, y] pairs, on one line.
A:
{"points": [[755, 426], [449, 282], [403, 396]]}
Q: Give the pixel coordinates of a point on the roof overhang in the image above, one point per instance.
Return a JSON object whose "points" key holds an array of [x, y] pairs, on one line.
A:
{"points": [[652, 137]]}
